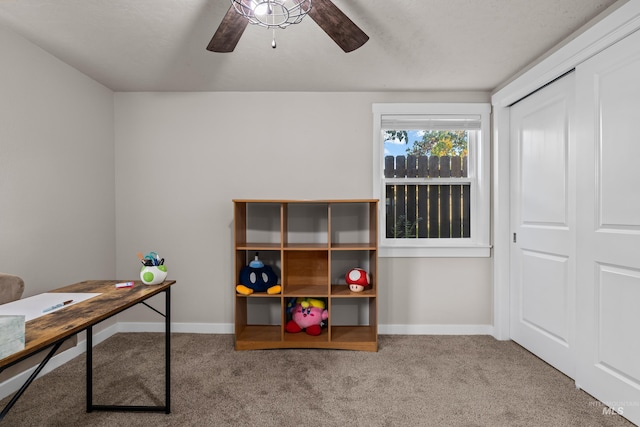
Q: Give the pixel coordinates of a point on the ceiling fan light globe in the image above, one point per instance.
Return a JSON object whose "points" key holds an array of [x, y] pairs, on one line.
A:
{"points": [[262, 9], [273, 13]]}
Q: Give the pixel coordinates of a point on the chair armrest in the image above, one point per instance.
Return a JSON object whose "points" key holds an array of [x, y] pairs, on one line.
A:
{"points": [[11, 288]]}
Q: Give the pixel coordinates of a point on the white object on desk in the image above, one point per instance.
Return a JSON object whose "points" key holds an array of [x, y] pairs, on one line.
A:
{"points": [[32, 307], [11, 334]]}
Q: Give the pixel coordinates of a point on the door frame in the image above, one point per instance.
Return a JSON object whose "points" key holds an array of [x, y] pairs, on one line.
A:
{"points": [[618, 21]]}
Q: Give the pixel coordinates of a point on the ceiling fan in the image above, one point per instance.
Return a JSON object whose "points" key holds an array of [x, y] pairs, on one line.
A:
{"points": [[332, 20]]}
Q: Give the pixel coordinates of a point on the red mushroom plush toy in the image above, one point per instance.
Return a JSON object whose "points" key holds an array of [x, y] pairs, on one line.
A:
{"points": [[357, 279]]}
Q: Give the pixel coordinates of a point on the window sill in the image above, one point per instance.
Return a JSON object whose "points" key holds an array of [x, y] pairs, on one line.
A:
{"points": [[478, 251]]}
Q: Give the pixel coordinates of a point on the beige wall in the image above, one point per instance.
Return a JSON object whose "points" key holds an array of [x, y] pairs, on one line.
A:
{"points": [[182, 157], [57, 216]]}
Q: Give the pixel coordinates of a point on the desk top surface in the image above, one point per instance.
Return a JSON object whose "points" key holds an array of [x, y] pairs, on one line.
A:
{"points": [[67, 321]]}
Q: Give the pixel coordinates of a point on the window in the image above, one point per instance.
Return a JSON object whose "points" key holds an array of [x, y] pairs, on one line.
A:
{"points": [[431, 174]]}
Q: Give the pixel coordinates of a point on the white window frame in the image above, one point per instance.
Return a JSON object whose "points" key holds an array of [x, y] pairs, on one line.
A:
{"points": [[478, 244]]}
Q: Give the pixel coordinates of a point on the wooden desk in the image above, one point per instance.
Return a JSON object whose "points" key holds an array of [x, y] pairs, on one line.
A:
{"points": [[51, 330]]}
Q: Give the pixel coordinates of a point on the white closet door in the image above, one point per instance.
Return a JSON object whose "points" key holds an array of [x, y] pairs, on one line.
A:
{"points": [[543, 223], [608, 240]]}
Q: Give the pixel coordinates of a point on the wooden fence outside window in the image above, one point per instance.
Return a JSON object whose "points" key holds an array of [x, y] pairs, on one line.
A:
{"points": [[423, 199]]}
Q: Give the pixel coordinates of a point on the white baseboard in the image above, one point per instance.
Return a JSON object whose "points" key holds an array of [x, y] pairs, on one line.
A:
{"points": [[192, 328], [13, 384], [435, 329], [227, 328]]}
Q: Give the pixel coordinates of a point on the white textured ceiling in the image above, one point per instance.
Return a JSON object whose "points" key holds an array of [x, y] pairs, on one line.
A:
{"points": [[414, 45]]}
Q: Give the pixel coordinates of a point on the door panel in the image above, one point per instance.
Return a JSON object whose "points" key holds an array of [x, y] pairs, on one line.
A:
{"points": [[544, 163], [544, 297], [542, 220], [608, 241], [618, 92], [619, 319]]}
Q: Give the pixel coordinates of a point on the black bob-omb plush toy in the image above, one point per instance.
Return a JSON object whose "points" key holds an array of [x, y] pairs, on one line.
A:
{"points": [[258, 277]]}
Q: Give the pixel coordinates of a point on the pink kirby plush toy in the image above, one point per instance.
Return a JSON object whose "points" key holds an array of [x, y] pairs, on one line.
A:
{"points": [[308, 314]]}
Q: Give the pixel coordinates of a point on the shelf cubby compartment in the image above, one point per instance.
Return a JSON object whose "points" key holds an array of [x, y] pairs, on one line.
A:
{"points": [[353, 323], [306, 225], [258, 321], [353, 225], [302, 339], [269, 257], [343, 261], [258, 225], [305, 273]]}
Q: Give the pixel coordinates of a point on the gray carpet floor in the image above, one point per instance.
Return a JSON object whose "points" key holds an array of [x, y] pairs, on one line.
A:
{"points": [[410, 381]]}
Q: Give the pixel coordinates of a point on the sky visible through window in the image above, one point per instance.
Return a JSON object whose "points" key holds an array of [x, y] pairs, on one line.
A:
{"points": [[396, 148]]}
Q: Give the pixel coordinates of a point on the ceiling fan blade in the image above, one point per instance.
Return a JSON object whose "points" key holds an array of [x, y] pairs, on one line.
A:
{"points": [[228, 33], [337, 25]]}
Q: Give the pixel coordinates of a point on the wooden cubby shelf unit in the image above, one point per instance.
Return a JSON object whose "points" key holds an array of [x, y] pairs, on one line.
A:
{"points": [[311, 245]]}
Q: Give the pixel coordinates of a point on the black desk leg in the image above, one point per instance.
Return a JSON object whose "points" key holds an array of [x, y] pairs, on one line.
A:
{"points": [[89, 341], [32, 377], [167, 349], [167, 406]]}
